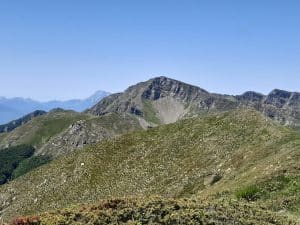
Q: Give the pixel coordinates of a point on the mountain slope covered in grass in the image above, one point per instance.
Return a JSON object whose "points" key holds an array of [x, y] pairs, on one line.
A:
{"points": [[211, 157], [53, 134], [39, 130]]}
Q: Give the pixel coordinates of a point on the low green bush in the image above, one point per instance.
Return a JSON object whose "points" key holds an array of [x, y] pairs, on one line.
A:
{"points": [[249, 193]]}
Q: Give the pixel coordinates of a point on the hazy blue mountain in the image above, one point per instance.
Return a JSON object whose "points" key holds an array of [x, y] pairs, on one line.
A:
{"points": [[14, 108]]}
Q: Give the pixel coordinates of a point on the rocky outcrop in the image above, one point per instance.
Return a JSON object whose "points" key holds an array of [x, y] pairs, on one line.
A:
{"points": [[161, 87], [75, 137], [279, 105]]}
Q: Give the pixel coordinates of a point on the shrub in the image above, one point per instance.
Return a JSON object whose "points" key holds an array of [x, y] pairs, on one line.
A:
{"points": [[35, 220], [249, 193]]}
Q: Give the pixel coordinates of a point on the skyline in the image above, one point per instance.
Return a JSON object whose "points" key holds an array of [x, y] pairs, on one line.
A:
{"points": [[70, 49]]}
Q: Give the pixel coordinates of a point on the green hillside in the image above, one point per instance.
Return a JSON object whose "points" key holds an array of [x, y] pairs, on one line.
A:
{"points": [[56, 133], [35, 132], [215, 157], [40, 129]]}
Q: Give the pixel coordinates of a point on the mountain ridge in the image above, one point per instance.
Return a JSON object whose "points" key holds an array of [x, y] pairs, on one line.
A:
{"points": [[155, 101]]}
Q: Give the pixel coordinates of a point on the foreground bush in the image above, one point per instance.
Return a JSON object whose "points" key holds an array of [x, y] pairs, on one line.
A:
{"points": [[35, 220], [156, 211]]}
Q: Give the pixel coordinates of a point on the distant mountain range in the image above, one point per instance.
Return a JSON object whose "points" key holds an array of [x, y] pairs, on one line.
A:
{"points": [[13, 108]]}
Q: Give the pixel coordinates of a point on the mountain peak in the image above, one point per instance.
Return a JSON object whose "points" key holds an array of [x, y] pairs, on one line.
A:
{"points": [[284, 99], [158, 100], [162, 86], [97, 96], [251, 96], [161, 78], [280, 93]]}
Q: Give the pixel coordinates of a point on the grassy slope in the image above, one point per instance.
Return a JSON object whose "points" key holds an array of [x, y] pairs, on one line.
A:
{"points": [[2, 136], [43, 131], [39, 130], [178, 160], [150, 114]]}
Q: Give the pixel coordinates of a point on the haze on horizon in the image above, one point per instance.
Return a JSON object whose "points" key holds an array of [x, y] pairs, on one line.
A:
{"points": [[70, 49]]}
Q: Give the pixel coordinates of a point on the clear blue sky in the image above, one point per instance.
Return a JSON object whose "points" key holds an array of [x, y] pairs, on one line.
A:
{"points": [[61, 49]]}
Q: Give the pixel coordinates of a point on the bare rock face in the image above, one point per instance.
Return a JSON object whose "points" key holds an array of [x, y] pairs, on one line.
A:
{"points": [[163, 100], [283, 106]]}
